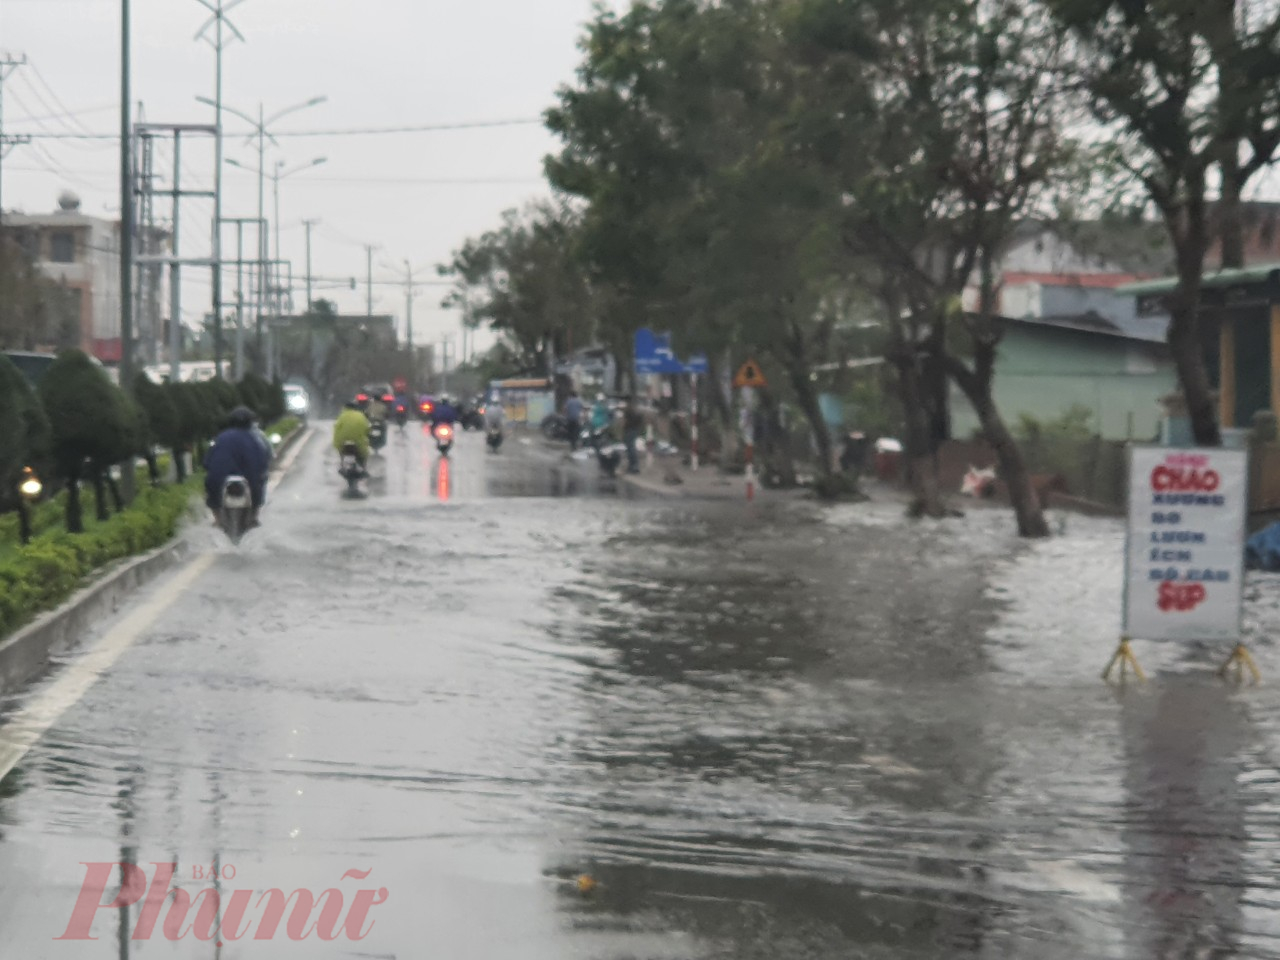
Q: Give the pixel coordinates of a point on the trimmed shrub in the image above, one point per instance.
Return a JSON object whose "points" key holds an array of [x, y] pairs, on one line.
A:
{"points": [[46, 572]]}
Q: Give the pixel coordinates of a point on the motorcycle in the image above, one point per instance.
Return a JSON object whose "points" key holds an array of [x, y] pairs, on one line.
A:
{"points": [[608, 453], [402, 416], [493, 437], [556, 426], [349, 469], [471, 417], [444, 438], [378, 434], [236, 515]]}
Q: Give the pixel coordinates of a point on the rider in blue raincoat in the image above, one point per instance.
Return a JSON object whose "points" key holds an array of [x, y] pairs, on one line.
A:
{"points": [[237, 453]]}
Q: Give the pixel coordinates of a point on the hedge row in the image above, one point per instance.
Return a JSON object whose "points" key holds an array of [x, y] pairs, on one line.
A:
{"points": [[44, 573]]}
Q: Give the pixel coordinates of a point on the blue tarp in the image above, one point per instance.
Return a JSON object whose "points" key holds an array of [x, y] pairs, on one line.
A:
{"points": [[1262, 550]]}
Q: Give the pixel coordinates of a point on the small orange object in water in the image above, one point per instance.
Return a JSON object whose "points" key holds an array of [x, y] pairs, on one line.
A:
{"points": [[586, 883]]}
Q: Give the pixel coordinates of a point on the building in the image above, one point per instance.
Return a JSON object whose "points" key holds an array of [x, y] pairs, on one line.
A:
{"points": [[1073, 340], [82, 254], [1048, 366], [1240, 335]]}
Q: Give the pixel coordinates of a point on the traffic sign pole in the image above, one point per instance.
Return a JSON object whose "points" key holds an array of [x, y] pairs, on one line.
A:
{"points": [[749, 436], [693, 426]]}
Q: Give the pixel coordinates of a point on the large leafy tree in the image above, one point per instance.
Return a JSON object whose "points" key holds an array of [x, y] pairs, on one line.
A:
{"points": [[696, 213], [941, 123], [525, 281], [1181, 90]]}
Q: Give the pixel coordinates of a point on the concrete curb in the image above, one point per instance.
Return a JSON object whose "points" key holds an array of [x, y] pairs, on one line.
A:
{"points": [[26, 654]]}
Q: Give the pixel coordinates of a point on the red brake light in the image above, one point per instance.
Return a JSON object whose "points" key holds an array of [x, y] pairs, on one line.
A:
{"points": [[427, 406], [362, 398], [388, 398]]}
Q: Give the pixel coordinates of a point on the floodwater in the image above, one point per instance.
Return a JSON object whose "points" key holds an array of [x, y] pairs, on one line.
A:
{"points": [[777, 731]]}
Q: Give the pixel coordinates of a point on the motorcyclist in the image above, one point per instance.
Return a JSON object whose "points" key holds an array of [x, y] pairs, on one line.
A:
{"points": [[444, 412], [237, 453], [352, 426], [601, 415], [376, 409], [495, 417]]}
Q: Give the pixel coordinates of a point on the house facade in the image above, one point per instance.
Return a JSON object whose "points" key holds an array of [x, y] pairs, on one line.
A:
{"points": [[82, 255], [1048, 367]]}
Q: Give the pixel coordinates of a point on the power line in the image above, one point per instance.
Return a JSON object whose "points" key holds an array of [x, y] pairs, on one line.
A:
{"points": [[355, 132]]}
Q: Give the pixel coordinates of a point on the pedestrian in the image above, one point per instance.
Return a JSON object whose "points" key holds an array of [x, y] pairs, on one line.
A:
{"points": [[632, 425], [573, 417]]}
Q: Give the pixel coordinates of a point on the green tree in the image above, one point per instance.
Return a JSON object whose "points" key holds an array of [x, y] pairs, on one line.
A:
{"points": [[24, 440], [958, 136], [1179, 89], [525, 282], [160, 420], [88, 424]]}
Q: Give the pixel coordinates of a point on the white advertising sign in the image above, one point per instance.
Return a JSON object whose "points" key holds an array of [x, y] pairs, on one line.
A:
{"points": [[1185, 560]]}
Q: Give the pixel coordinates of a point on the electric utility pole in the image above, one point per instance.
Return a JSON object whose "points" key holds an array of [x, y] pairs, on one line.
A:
{"points": [[7, 141], [368, 249], [309, 224]]}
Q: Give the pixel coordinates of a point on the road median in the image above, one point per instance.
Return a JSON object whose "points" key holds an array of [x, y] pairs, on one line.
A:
{"points": [[67, 602]]}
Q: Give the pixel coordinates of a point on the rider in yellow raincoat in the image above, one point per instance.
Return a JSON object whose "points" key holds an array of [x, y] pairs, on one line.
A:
{"points": [[352, 426]]}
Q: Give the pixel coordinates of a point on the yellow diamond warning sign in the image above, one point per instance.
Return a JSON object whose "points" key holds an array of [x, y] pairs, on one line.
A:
{"points": [[749, 375]]}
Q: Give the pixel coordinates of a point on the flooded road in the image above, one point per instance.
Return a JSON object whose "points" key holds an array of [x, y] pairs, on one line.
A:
{"points": [[768, 732]]}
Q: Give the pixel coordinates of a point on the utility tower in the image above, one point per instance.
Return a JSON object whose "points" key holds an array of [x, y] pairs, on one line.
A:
{"points": [[148, 188]]}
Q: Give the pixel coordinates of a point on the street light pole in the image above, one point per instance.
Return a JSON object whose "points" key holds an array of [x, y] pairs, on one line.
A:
{"points": [[260, 127]]}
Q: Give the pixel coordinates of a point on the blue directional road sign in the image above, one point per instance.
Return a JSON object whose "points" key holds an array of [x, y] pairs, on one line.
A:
{"points": [[654, 355]]}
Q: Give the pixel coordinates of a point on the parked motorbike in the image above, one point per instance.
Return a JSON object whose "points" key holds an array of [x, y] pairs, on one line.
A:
{"points": [[377, 434], [556, 426], [493, 437], [608, 453], [350, 470], [236, 515], [444, 438]]}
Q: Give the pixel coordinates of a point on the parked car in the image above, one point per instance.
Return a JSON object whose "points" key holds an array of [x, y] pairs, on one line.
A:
{"points": [[31, 365]]}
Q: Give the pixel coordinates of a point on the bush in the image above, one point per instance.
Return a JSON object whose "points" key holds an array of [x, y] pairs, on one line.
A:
{"points": [[90, 420], [41, 575]]}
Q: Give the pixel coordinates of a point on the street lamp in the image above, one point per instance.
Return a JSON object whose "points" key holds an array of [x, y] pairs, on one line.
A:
{"points": [[261, 132], [278, 174], [30, 486]]}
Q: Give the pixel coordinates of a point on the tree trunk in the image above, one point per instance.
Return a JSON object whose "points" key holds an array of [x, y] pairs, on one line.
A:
{"points": [[922, 468], [798, 372], [1188, 359], [179, 464], [153, 468], [778, 469], [100, 494], [75, 513], [24, 521], [1229, 221], [116, 500], [1012, 468]]}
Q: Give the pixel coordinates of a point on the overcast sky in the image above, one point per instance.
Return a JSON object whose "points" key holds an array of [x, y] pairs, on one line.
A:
{"points": [[381, 63]]}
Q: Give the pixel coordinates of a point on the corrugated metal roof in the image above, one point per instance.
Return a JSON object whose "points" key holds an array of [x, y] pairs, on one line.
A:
{"points": [[1260, 273]]}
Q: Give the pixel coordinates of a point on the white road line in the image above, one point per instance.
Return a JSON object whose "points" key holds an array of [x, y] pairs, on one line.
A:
{"points": [[25, 728]]}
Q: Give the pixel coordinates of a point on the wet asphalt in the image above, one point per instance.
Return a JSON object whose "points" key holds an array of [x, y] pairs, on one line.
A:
{"points": [[777, 731]]}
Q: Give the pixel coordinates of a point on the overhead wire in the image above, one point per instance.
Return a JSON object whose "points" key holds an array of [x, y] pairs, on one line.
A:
{"points": [[350, 132]]}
